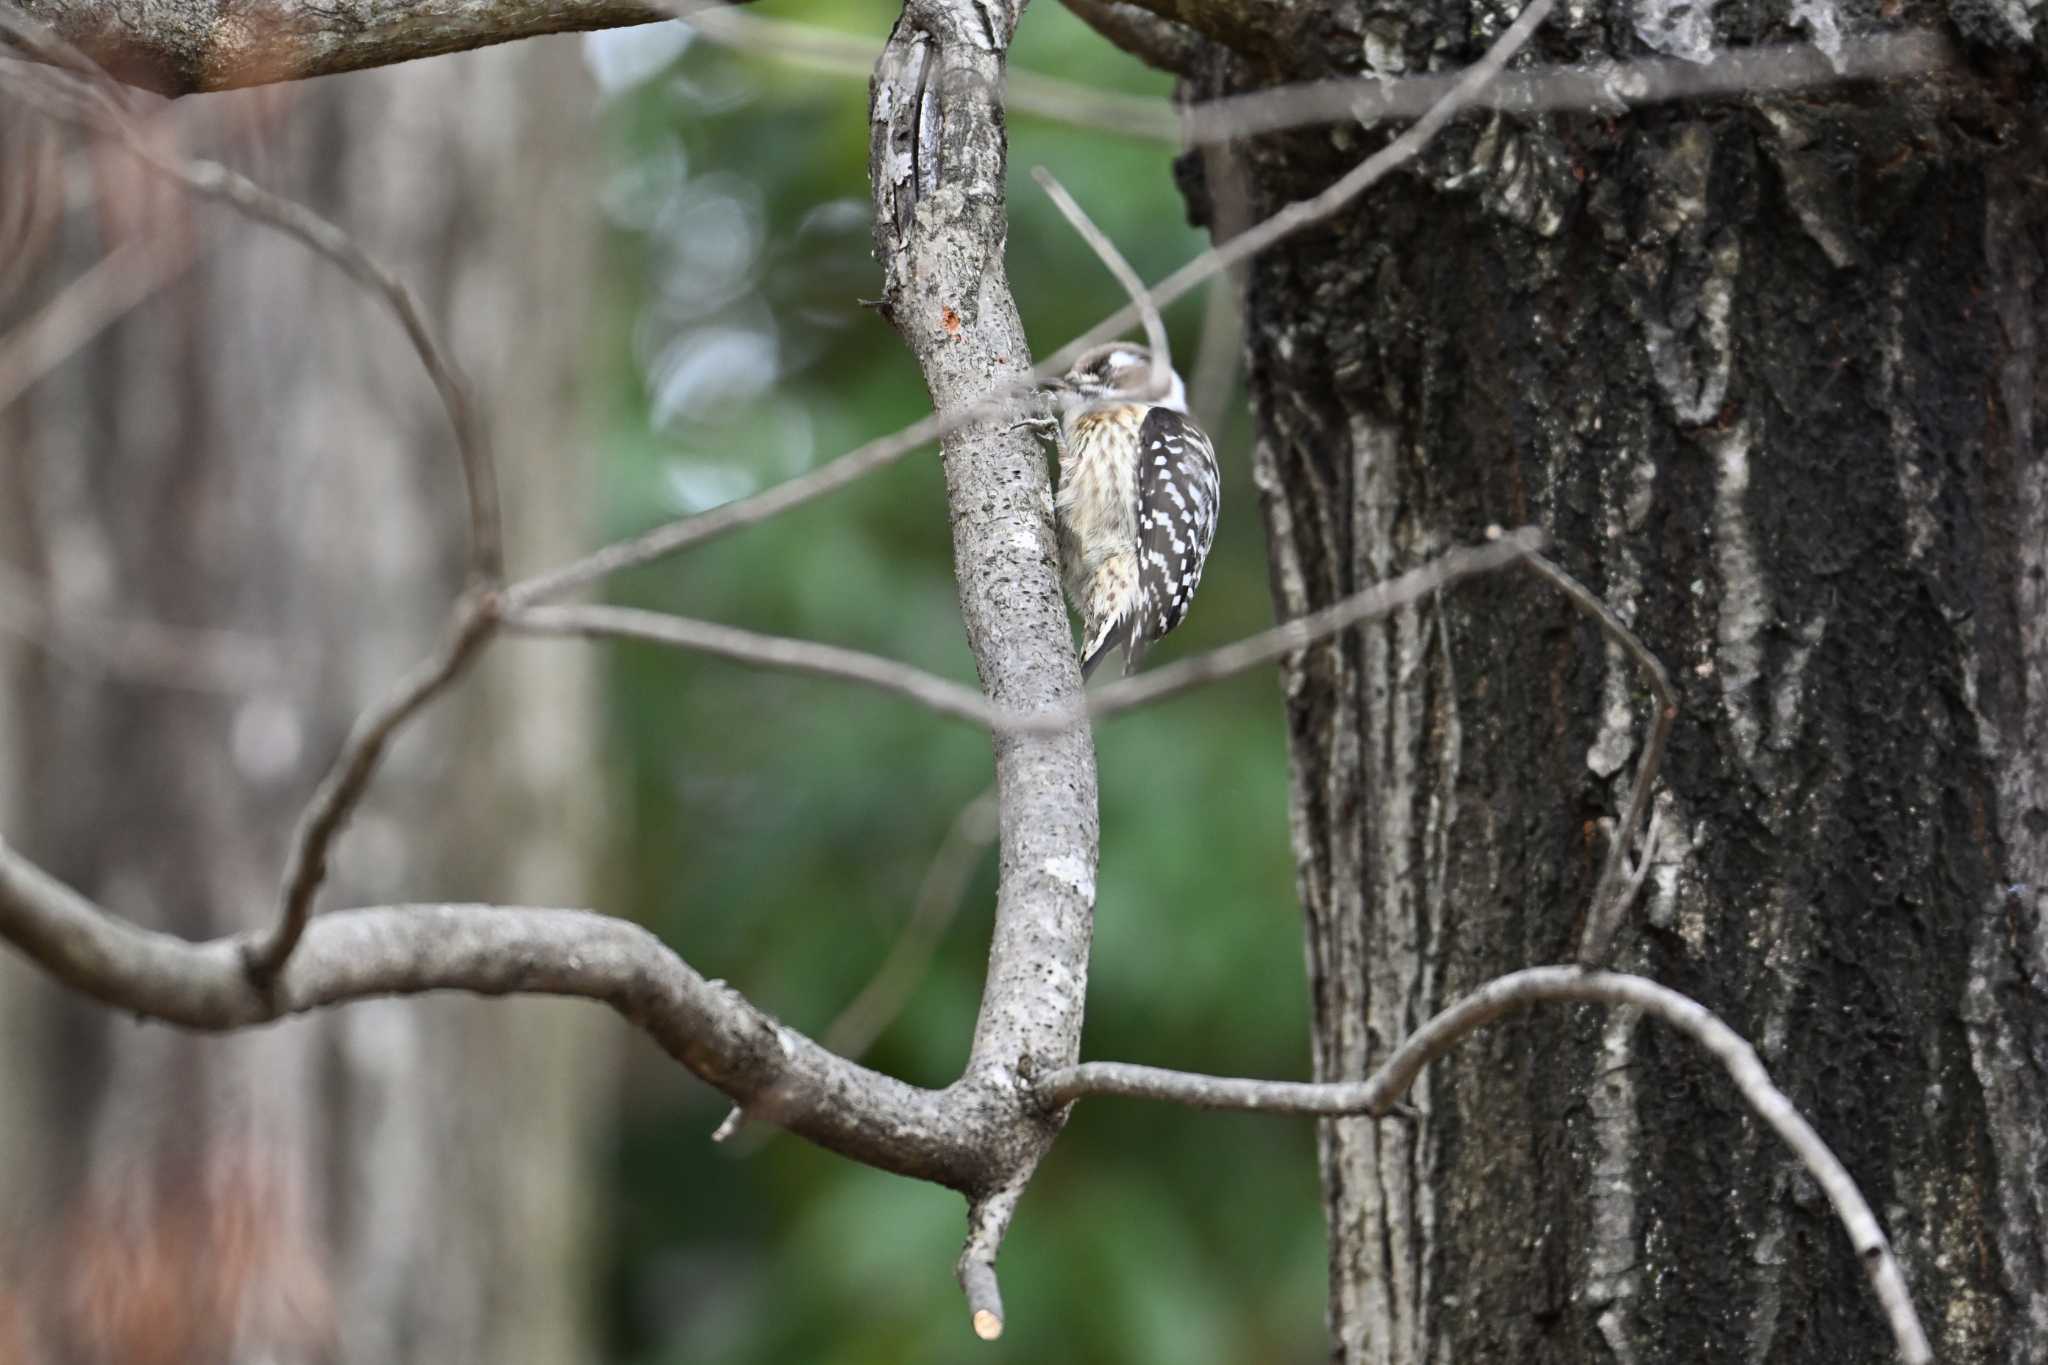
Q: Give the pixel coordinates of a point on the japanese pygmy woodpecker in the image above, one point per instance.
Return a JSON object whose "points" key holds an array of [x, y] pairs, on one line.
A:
{"points": [[1137, 501]]}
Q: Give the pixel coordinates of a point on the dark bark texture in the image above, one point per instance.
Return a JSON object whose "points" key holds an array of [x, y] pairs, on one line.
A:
{"points": [[1767, 372], [255, 450]]}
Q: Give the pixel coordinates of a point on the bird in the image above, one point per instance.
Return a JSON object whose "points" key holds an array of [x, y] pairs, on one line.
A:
{"points": [[1137, 502]]}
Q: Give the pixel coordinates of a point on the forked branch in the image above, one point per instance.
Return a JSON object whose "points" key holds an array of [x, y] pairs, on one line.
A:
{"points": [[775, 1072], [349, 780]]}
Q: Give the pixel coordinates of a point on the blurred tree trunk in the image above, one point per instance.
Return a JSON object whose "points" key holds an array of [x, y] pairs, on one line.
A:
{"points": [[1769, 374], [255, 450]]}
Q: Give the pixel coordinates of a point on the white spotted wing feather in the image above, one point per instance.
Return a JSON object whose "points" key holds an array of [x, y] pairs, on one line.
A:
{"points": [[1177, 502]]}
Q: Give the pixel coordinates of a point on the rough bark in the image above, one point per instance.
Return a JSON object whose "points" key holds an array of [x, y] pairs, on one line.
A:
{"points": [[255, 449], [1766, 371]]}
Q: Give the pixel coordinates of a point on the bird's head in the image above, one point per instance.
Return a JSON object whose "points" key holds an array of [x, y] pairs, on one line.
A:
{"points": [[1120, 371]]}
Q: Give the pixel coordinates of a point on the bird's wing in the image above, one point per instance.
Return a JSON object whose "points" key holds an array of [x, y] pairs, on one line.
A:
{"points": [[1177, 502]]}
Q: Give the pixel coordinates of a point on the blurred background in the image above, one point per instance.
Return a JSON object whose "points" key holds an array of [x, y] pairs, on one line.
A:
{"points": [[649, 250]]}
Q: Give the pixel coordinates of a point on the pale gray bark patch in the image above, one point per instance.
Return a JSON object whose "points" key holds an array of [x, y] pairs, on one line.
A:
{"points": [[1682, 28], [1628, 495], [1813, 184], [1823, 20], [1745, 608], [1520, 171], [1611, 1281], [1684, 272], [1918, 486]]}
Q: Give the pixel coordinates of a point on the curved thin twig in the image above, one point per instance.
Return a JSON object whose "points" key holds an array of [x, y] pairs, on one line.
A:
{"points": [[88, 305], [928, 690], [1160, 379], [1376, 1095]]}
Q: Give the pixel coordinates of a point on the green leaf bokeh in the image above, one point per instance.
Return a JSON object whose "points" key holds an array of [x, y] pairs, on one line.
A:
{"points": [[777, 828]]}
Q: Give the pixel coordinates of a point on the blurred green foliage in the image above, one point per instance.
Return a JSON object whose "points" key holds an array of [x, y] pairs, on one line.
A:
{"points": [[779, 827]]}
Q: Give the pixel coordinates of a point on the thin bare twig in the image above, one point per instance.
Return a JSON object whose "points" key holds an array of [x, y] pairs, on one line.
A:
{"points": [[349, 778], [44, 45], [1219, 356], [1155, 41], [1620, 878], [1160, 377], [479, 471], [952, 699], [767, 651], [1516, 991]]}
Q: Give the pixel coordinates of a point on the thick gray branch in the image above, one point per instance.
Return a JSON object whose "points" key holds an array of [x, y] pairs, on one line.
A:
{"points": [[937, 159], [938, 163], [179, 47], [1157, 42], [773, 1072]]}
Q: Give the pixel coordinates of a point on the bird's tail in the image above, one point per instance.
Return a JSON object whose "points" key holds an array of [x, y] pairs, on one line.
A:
{"points": [[1119, 632]]}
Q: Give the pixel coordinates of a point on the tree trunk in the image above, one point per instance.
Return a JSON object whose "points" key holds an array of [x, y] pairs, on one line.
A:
{"points": [[1767, 373], [255, 450]]}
